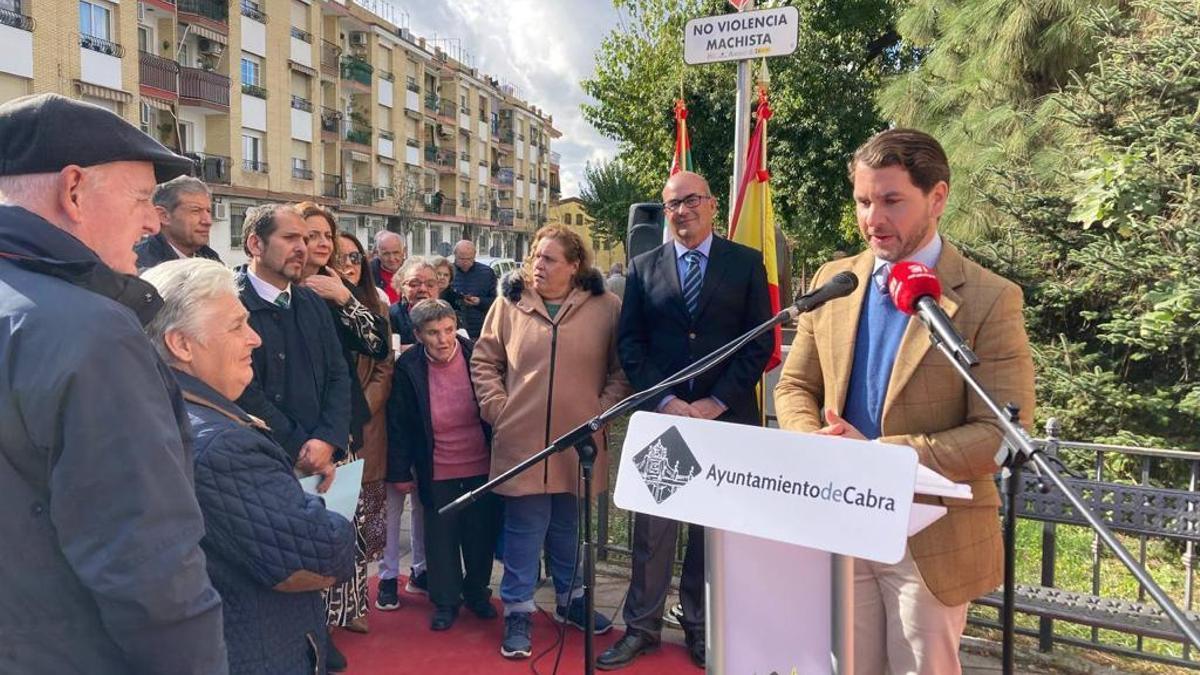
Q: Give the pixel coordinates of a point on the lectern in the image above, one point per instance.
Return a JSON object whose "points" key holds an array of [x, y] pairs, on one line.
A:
{"points": [[785, 514]]}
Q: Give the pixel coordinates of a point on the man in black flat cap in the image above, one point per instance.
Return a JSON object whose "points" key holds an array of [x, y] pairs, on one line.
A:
{"points": [[100, 565]]}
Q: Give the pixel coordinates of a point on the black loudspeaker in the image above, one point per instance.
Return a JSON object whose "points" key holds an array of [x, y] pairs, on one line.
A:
{"points": [[645, 229]]}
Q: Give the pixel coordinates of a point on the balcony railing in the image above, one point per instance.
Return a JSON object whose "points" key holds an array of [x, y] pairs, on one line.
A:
{"points": [[445, 207], [217, 10], [203, 86], [362, 194], [301, 103], [212, 168], [157, 72], [331, 120], [254, 166], [431, 104], [412, 85], [253, 10], [385, 75], [464, 202], [412, 143], [302, 35], [331, 55], [385, 134], [504, 176], [101, 45], [254, 90], [301, 173], [357, 69], [448, 110], [13, 17], [331, 185], [360, 135]]}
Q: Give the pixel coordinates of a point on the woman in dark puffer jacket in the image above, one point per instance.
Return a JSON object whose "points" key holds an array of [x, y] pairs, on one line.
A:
{"points": [[270, 547]]}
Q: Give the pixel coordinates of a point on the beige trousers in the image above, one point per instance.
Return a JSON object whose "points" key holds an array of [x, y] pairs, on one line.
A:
{"points": [[900, 628]]}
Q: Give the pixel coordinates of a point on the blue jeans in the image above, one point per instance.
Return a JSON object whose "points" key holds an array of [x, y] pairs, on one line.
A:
{"points": [[529, 521]]}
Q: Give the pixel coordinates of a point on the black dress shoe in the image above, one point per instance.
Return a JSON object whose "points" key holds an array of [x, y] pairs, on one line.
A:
{"points": [[443, 617], [695, 648], [482, 609], [629, 647]]}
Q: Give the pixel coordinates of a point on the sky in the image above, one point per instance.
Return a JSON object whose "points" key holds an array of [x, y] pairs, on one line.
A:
{"points": [[544, 47]]}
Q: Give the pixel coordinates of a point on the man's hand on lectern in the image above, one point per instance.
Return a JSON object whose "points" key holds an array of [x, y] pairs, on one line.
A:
{"points": [[836, 426]]}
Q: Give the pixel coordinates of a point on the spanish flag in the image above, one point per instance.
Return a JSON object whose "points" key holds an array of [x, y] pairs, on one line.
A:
{"points": [[753, 221]]}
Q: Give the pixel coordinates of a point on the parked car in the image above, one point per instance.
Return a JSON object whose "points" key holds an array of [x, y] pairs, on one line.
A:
{"points": [[500, 266]]}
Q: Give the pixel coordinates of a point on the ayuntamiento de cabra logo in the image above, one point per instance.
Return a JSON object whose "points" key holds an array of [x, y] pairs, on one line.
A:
{"points": [[666, 464]]}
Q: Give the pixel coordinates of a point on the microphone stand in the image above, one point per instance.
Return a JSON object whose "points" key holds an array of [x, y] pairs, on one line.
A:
{"points": [[1020, 449], [581, 439]]}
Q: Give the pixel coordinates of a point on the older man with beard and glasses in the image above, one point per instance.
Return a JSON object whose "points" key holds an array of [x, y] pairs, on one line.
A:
{"points": [[184, 207], [101, 566]]}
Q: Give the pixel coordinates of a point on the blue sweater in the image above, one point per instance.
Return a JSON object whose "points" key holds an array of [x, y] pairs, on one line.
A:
{"points": [[880, 329]]}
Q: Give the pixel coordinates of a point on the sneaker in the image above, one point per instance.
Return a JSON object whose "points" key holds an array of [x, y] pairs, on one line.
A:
{"points": [[574, 614], [417, 583], [674, 615], [386, 598], [518, 636]]}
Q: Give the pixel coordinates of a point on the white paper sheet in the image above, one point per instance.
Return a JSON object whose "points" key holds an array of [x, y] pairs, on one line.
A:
{"points": [[930, 482], [342, 496]]}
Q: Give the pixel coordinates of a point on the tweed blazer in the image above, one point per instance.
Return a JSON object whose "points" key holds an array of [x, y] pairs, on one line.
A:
{"points": [[928, 406]]}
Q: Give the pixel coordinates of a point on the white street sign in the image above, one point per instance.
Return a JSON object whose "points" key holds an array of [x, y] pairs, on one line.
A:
{"points": [[735, 37]]}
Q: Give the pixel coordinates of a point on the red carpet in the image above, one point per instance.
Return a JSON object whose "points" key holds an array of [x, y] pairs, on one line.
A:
{"points": [[400, 642]]}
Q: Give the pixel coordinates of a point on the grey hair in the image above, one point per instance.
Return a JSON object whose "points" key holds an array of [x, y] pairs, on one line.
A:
{"points": [[167, 194], [30, 188], [383, 235], [186, 286], [440, 261], [428, 311], [412, 265]]}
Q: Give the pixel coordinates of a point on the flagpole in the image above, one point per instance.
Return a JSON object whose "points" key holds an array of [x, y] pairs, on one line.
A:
{"points": [[741, 124]]}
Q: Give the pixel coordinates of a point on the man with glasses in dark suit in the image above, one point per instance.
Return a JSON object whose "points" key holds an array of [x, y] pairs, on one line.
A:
{"points": [[684, 300]]}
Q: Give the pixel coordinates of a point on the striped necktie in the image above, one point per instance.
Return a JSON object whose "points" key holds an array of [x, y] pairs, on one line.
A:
{"points": [[284, 299], [692, 280]]}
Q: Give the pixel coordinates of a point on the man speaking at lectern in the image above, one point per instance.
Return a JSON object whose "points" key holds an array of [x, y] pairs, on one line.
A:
{"points": [[860, 368]]}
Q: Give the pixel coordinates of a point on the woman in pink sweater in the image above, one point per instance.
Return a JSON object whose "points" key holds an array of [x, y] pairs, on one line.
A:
{"points": [[436, 437]]}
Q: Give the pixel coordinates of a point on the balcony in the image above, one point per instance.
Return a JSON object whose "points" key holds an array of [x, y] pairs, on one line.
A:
{"points": [[331, 185], [253, 10], [331, 56], [503, 217], [300, 173], [254, 166], [357, 134], [448, 112], [385, 75], [361, 194], [302, 104], [158, 73], [431, 105], [302, 35], [204, 88], [435, 203], [102, 46], [213, 10], [254, 90], [554, 158], [356, 69], [212, 168], [504, 176], [13, 17], [331, 120]]}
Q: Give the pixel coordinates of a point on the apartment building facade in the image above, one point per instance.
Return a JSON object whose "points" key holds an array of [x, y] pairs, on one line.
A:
{"points": [[288, 100]]}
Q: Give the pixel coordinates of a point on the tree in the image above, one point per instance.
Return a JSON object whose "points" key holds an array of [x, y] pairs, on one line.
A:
{"points": [[1108, 251], [987, 70], [607, 191], [823, 98]]}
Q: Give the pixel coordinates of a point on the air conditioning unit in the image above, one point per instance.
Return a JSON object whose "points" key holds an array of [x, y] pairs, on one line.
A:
{"points": [[220, 211], [208, 46], [380, 194], [358, 38]]}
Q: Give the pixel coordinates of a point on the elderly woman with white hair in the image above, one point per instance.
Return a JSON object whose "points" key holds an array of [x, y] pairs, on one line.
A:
{"points": [[270, 547]]}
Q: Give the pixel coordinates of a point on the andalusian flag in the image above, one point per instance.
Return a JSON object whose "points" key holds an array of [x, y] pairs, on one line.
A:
{"points": [[682, 161], [753, 221]]}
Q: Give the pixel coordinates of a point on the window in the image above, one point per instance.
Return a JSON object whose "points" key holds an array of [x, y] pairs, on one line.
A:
{"points": [[253, 152], [418, 241], [185, 55], [251, 71], [185, 137], [143, 39], [93, 19], [237, 218], [578, 218]]}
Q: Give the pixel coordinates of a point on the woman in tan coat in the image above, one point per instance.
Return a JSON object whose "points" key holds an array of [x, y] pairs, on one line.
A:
{"points": [[545, 362]]}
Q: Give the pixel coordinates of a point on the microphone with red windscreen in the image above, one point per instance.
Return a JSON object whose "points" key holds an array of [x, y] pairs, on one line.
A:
{"points": [[915, 289]]}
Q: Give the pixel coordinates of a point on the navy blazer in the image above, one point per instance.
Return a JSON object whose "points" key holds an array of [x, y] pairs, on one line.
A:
{"points": [[657, 335], [327, 368], [155, 249]]}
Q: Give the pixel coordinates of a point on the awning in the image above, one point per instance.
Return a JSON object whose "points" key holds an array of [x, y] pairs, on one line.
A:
{"points": [[87, 89], [202, 31], [301, 68], [156, 103]]}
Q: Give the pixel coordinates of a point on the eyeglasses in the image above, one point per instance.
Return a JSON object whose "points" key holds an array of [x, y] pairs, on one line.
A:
{"points": [[691, 201], [355, 258]]}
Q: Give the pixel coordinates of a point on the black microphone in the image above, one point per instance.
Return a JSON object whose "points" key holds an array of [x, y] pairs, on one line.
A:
{"points": [[915, 289], [841, 285]]}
